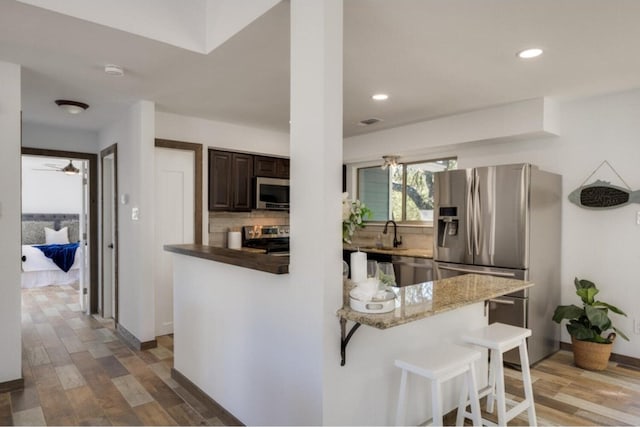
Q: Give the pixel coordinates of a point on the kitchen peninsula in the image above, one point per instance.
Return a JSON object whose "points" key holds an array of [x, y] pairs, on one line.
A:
{"points": [[242, 258], [240, 340]]}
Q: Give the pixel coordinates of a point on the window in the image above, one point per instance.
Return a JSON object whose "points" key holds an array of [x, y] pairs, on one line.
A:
{"points": [[403, 192]]}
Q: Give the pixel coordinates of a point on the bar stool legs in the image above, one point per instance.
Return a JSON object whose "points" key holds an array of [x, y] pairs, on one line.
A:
{"points": [[440, 365], [499, 338]]}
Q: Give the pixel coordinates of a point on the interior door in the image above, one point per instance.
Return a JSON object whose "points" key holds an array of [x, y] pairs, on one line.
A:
{"points": [[174, 224], [83, 291], [501, 210], [108, 238]]}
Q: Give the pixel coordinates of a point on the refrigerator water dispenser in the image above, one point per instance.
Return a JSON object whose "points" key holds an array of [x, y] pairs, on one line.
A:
{"points": [[447, 224]]}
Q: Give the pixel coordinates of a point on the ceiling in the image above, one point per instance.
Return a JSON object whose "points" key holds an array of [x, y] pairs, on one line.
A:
{"points": [[433, 57]]}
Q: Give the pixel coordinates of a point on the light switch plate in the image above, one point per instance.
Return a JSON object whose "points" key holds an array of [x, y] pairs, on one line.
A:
{"points": [[135, 214], [638, 218]]}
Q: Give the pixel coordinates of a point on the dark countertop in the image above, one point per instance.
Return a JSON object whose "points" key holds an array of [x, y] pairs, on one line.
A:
{"points": [[412, 252], [241, 258]]}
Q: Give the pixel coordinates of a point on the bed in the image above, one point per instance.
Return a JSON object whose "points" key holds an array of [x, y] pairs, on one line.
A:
{"points": [[57, 235]]}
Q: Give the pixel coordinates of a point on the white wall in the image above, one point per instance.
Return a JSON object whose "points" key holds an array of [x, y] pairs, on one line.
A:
{"points": [[602, 246], [225, 136], [49, 191], [10, 106], [134, 134], [35, 135]]}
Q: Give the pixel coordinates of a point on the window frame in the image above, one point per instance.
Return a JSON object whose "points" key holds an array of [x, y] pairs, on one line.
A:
{"points": [[403, 221]]}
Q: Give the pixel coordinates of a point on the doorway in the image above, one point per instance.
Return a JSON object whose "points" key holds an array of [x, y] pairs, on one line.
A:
{"points": [[109, 233], [178, 217], [87, 235]]}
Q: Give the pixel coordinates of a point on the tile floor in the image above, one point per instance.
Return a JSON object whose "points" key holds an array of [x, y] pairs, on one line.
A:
{"points": [[78, 372]]}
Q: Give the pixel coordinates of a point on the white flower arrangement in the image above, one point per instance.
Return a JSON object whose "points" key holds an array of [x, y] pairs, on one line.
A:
{"points": [[353, 215]]}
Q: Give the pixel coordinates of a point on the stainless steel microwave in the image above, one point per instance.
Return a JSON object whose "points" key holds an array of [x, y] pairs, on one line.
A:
{"points": [[272, 193]]}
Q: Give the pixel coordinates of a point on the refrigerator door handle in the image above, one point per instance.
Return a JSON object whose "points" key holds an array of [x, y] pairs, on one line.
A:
{"points": [[476, 213], [502, 301], [468, 222], [468, 270]]}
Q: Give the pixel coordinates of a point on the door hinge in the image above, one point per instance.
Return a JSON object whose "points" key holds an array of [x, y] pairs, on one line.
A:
{"points": [[84, 291]]}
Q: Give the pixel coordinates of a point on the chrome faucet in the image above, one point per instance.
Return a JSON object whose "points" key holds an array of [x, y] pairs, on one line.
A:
{"points": [[396, 242]]}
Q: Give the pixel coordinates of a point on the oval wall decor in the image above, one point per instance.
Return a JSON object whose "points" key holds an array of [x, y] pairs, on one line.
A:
{"points": [[602, 194]]}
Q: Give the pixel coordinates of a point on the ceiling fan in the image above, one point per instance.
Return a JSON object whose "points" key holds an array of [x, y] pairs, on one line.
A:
{"points": [[69, 169]]}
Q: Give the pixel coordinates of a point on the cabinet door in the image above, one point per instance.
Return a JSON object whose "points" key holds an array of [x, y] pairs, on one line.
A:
{"points": [[265, 166], [242, 180], [220, 184], [271, 167], [282, 167]]}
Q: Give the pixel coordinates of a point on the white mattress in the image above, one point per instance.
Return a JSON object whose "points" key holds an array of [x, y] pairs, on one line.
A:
{"points": [[38, 270]]}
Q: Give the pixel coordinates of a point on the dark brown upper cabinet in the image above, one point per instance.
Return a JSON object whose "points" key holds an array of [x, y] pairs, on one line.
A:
{"points": [[230, 181], [272, 167]]}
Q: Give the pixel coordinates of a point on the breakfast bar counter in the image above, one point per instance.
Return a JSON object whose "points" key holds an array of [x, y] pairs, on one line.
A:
{"points": [[430, 298], [425, 300]]}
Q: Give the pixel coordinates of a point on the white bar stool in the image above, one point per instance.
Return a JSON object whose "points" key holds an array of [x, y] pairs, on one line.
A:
{"points": [[499, 338], [439, 365]]}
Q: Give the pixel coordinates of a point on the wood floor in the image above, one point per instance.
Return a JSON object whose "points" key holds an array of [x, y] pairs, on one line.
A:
{"points": [[565, 395], [77, 372]]}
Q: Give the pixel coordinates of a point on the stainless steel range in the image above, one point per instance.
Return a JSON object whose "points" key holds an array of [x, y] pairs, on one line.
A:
{"points": [[272, 238]]}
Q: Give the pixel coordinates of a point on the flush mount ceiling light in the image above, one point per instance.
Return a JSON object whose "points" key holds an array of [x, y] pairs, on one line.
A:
{"points": [[380, 97], [71, 107], [114, 70], [389, 161], [529, 53]]}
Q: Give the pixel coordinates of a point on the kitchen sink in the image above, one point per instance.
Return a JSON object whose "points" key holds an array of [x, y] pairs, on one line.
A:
{"points": [[409, 270]]}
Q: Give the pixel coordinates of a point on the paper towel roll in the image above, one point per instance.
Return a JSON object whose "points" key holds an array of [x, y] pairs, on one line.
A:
{"points": [[234, 240], [358, 266]]}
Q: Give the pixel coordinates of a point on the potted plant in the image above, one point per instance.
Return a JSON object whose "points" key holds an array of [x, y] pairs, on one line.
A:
{"points": [[587, 324], [353, 215]]}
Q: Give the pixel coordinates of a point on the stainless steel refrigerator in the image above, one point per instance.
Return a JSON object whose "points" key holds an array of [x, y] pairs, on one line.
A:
{"points": [[504, 221]]}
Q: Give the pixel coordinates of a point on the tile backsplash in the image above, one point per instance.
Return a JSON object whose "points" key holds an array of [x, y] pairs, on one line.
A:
{"points": [[413, 237], [222, 222], [420, 237]]}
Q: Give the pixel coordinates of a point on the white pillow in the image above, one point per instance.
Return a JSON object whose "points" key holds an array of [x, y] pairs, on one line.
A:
{"points": [[60, 237]]}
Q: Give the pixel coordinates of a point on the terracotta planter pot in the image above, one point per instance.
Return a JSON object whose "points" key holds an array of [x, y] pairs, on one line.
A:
{"points": [[591, 355]]}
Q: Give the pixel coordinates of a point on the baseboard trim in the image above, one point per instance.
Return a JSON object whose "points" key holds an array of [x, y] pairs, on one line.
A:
{"points": [[226, 417], [618, 358], [12, 385], [132, 341]]}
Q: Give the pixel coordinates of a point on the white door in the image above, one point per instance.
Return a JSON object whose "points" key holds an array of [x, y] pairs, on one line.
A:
{"points": [[174, 224], [108, 239]]}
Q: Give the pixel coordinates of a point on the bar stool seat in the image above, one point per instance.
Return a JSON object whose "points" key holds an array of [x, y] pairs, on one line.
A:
{"points": [[440, 364], [500, 338]]}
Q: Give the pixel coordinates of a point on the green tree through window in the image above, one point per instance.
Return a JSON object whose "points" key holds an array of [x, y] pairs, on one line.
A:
{"points": [[403, 192]]}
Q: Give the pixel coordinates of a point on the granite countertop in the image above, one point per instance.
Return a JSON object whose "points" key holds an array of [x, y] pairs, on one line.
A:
{"points": [[245, 257], [427, 299], [414, 252]]}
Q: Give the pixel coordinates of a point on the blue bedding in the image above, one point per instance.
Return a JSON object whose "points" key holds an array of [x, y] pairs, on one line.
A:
{"points": [[62, 255]]}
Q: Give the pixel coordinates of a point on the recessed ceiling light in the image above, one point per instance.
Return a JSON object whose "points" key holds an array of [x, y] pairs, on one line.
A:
{"points": [[529, 53], [71, 107], [114, 70], [380, 96]]}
